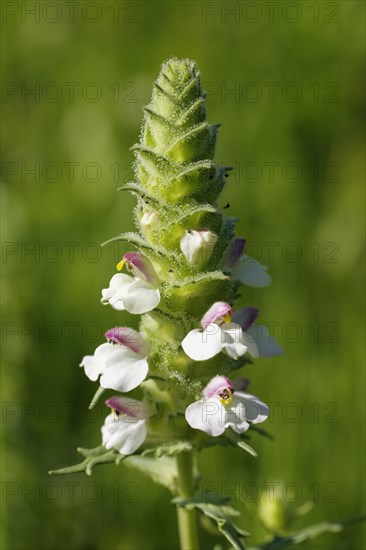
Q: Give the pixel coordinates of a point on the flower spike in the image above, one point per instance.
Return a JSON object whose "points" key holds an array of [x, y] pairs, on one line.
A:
{"points": [[183, 277]]}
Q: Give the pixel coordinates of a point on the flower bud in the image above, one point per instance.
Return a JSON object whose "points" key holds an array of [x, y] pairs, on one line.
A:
{"points": [[197, 246], [274, 512]]}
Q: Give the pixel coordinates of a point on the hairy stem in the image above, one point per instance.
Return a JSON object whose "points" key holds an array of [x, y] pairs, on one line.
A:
{"points": [[187, 524]]}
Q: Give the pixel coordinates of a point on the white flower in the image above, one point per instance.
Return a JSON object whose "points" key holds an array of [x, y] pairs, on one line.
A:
{"points": [[138, 294], [221, 407], [265, 343], [251, 273], [245, 269], [197, 246], [148, 218], [125, 428], [218, 334], [121, 363]]}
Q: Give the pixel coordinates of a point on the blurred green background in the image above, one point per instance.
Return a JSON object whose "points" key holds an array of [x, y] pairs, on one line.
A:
{"points": [[293, 130]]}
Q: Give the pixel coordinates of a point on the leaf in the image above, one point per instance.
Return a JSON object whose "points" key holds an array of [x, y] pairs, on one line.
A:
{"points": [[308, 533], [160, 91], [220, 513], [212, 276], [161, 122], [130, 237], [238, 440], [168, 449], [223, 243], [157, 165], [247, 448], [93, 457], [193, 111], [98, 394], [190, 87], [205, 166], [134, 187], [197, 142], [193, 210], [161, 470], [138, 190], [141, 244], [197, 294]]}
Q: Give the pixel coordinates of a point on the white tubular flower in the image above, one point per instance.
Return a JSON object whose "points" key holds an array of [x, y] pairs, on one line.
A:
{"points": [[265, 343], [148, 218], [245, 269], [125, 428], [197, 246], [121, 363], [218, 334], [221, 407], [251, 273], [138, 294]]}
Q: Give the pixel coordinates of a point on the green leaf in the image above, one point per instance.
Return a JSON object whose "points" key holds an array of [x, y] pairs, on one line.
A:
{"points": [[197, 294], [133, 187], [130, 237], [219, 513], [203, 277], [151, 251], [98, 394], [193, 210], [168, 449], [137, 189], [238, 440], [156, 165], [194, 113], [93, 457], [247, 448], [161, 122], [308, 533], [161, 470], [226, 236], [196, 143], [189, 91]]}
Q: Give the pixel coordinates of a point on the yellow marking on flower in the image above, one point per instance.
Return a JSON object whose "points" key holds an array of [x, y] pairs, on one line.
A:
{"points": [[120, 264], [226, 396], [115, 413], [227, 317]]}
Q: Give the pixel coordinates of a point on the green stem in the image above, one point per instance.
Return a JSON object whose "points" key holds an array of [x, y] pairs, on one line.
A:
{"points": [[186, 518]]}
